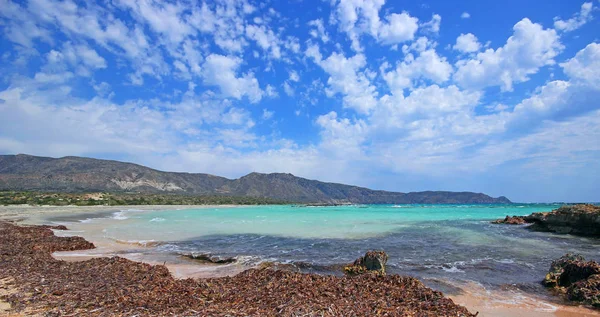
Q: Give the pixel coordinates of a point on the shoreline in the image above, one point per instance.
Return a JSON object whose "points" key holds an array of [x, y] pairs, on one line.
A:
{"points": [[112, 286], [472, 295]]}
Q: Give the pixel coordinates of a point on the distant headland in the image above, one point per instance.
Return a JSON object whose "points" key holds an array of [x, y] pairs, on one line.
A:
{"points": [[84, 175]]}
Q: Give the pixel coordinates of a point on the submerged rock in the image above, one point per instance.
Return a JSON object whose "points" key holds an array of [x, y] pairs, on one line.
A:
{"points": [[209, 258], [580, 280], [582, 219], [372, 261]]}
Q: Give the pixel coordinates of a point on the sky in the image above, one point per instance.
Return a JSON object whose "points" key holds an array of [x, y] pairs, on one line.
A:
{"points": [[500, 97]]}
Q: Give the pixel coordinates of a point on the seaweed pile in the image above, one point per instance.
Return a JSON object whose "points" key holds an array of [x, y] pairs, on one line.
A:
{"points": [[117, 286]]}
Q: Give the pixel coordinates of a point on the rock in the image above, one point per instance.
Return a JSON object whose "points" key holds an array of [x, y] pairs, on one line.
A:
{"points": [[576, 271], [514, 220], [208, 258], [372, 261], [582, 219], [580, 280], [586, 291], [557, 268]]}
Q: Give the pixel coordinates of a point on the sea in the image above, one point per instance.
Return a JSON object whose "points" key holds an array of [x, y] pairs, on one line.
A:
{"points": [[450, 243]]}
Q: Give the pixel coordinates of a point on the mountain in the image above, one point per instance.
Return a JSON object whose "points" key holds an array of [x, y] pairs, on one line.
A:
{"points": [[80, 174]]}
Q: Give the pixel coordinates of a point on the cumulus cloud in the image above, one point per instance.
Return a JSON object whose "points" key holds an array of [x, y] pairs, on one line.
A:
{"points": [[427, 65], [221, 71], [348, 77], [465, 15], [525, 52], [585, 66], [362, 17], [467, 43]]}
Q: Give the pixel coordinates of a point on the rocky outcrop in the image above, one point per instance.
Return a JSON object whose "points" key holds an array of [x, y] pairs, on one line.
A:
{"points": [[372, 262], [582, 219], [514, 220], [577, 279]]}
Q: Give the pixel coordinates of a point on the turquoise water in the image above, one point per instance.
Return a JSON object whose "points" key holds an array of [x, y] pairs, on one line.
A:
{"points": [[339, 222], [427, 241]]}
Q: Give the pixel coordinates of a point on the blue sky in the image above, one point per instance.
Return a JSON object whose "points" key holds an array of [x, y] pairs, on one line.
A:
{"points": [[498, 97]]}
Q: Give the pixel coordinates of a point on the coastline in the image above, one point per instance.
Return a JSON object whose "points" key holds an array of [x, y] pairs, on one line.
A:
{"points": [[473, 296], [116, 286], [30, 213]]}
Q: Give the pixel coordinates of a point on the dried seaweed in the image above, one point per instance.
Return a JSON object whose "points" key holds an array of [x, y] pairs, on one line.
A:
{"points": [[116, 286]]}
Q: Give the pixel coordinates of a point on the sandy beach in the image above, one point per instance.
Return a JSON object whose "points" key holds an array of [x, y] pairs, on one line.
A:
{"points": [[473, 296]]}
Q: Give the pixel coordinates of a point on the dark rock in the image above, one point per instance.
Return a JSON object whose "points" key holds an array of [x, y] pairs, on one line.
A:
{"points": [[557, 268], [583, 219], [575, 271], [209, 258], [373, 261], [514, 220], [586, 291], [580, 280]]}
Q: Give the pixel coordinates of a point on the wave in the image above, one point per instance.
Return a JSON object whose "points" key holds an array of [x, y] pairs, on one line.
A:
{"points": [[157, 219]]}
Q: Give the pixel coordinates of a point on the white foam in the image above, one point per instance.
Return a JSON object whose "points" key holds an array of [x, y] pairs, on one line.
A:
{"points": [[157, 219], [120, 215], [452, 269]]}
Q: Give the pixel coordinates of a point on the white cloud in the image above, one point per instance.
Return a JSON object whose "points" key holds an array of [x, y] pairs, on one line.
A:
{"points": [[467, 43], [271, 92], [578, 20], [265, 38], [428, 65], [294, 76], [585, 66], [400, 28], [346, 77], [20, 26], [433, 25], [340, 136], [362, 17], [221, 71], [465, 15], [288, 89], [319, 30], [266, 115], [237, 116], [164, 18], [529, 48]]}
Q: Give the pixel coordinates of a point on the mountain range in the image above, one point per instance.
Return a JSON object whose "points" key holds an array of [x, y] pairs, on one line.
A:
{"points": [[81, 174]]}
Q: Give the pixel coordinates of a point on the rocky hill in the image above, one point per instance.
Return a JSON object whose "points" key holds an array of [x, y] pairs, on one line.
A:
{"points": [[80, 174]]}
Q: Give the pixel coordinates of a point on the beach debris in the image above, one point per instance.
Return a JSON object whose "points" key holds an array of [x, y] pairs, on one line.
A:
{"points": [[578, 279], [372, 262], [119, 287], [508, 220]]}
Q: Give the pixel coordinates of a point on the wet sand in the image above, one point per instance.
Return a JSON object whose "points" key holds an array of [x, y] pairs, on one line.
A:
{"points": [[495, 303], [505, 303]]}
